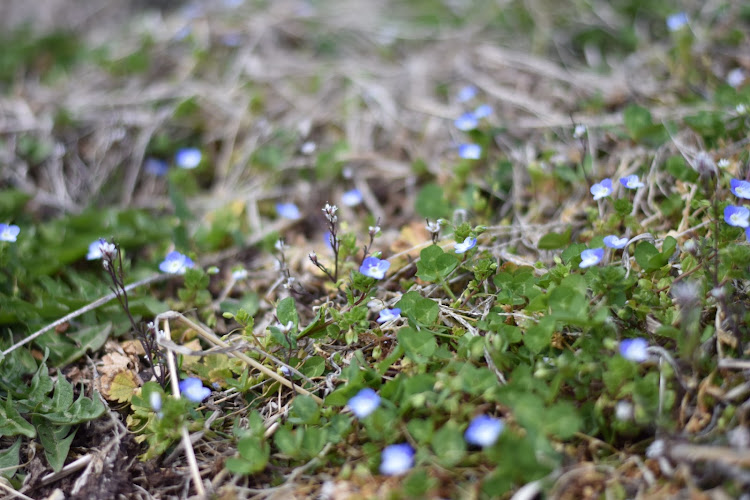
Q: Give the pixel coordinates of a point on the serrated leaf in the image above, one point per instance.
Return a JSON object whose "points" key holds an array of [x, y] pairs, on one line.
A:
{"points": [[449, 444], [304, 410], [254, 452], [421, 310], [123, 386], [434, 264], [55, 440]]}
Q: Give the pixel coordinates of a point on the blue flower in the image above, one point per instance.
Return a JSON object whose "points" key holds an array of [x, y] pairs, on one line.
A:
{"points": [[747, 234], [467, 93], [741, 189], [466, 121], [192, 388], [591, 257], [602, 189], [155, 166], [634, 349], [374, 267], [9, 232], [677, 21], [154, 400], [631, 182], [288, 211], [470, 151], [188, 158], [612, 241], [175, 263], [396, 459], [100, 248], [482, 111], [364, 403], [737, 216], [389, 315], [467, 245], [352, 198], [484, 430], [239, 274]]}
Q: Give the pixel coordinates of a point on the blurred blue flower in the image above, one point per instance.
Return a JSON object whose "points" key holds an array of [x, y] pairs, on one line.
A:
{"points": [[591, 257], [351, 198], [677, 21], [288, 211], [364, 403], [389, 315], [467, 245], [239, 274], [154, 400], [192, 388], [482, 111], [602, 189], [747, 234], [470, 151], [740, 188], [737, 216], [231, 39], [155, 166], [175, 263], [396, 459], [631, 182], [188, 158], [374, 267], [612, 241], [484, 430], [466, 121], [9, 232], [634, 349], [467, 93]]}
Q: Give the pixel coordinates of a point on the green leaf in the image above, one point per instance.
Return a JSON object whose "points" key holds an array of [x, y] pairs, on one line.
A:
{"points": [[63, 396], [562, 420], [314, 367], [287, 441], [9, 460], [56, 441], [449, 444], [86, 339], [286, 311], [12, 423], [553, 241], [421, 310], [418, 345], [255, 453], [304, 410], [538, 337], [637, 120], [434, 264]]}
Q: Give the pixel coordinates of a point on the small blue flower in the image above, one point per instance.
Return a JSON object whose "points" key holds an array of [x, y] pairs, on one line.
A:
{"points": [[155, 166], [467, 245], [374, 267], [634, 349], [591, 257], [739, 188], [484, 430], [470, 151], [466, 121], [288, 211], [389, 315], [175, 263], [747, 234], [396, 459], [612, 241], [482, 111], [602, 189], [351, 198], [100, 248], [188, 158], [467, 93], [9, 232], [364, 403], [677, 21], [239, 274], [192, 388], [631, 182], [737, 216], [154, 400]]}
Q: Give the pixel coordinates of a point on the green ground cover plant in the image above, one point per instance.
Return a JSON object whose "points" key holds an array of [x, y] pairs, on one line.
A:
{"points": [[352, 250]]}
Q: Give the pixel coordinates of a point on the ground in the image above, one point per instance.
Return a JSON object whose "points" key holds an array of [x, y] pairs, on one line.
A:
{"points": [[354, 104]]}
